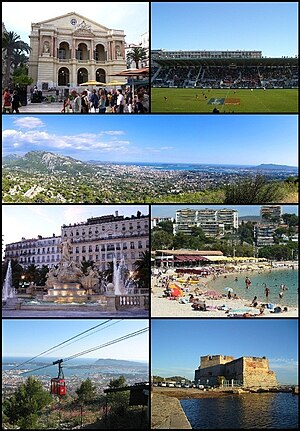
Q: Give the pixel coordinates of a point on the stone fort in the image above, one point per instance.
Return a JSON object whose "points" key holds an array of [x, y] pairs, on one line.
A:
{"points": [[249, 372]]}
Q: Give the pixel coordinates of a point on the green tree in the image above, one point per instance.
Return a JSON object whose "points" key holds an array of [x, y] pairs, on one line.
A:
{"points": [[166, 226], [24, 406], [86, 392], [31, 273], [181, 240], [119, 382], [12, 45], [119, 401], [142, 270], [160, 239], [246, 232], [290, 219], [252, 190], [20, 76], [198, 232], [136, 55], [278, 251], [41, 275]]}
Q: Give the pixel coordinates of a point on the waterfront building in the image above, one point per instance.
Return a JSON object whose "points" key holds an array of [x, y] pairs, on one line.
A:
{"points": [[71, 49], [264, 234], [247, 372], [213, 222], [271, 213], [177, 258]]}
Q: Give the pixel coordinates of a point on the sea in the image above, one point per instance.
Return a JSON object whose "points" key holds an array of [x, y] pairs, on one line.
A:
{"points": [[80, 367], [187, 166], [272, 279], [244, 411]]}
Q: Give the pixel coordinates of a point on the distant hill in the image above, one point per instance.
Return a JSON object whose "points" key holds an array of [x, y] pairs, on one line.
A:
{"points": [[120, 363], [250, 218], [10, 158], [47, 162], [271, 166]]}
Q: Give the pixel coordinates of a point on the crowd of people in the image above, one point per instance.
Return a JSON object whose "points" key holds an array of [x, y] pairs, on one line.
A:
{"points": [[224, 76], [101, 101], [11, 102]]}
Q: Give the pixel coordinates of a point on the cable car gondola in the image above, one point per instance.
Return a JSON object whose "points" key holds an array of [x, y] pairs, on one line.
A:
{"points": [[58, 385]]}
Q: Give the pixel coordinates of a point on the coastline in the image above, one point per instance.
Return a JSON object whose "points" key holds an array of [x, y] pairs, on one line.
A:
{"points": [[167, 413], [163, 307]]}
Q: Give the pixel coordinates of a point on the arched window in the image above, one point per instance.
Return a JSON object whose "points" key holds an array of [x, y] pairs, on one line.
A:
{"points": [[64, 52], [99, 53], [63, 76], [82, 75], [100, 75], [82, 52]]}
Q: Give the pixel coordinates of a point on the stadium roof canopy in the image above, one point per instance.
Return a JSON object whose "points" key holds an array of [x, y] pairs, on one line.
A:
{"points": [[226, 62]]}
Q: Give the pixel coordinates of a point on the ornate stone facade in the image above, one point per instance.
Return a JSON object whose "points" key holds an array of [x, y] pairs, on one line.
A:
{"points": [[71, 49], [99, 239]]}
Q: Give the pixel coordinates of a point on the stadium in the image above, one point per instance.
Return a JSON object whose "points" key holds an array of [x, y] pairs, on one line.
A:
{"points": [[223, 81]]}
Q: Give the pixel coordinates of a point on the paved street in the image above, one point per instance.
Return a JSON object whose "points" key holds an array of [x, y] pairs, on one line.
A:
{"points": [[71, 314]]}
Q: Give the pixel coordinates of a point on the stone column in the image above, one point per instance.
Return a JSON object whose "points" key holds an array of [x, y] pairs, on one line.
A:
{"points": [[110, 298]]}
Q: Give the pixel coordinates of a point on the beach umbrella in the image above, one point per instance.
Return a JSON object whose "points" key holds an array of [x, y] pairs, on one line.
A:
{"points": [[229, 289], [115, 83], [92, 82]]}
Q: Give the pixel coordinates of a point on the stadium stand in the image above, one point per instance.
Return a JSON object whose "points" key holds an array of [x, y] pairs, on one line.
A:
{"points": [[185, 70]]}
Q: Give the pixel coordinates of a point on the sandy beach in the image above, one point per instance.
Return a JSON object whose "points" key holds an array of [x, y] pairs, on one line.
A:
{"points": [[233, 308]]}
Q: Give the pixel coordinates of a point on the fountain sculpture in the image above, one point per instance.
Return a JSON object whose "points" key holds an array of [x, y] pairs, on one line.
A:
{"points": [[8, 291], [67, 283]]}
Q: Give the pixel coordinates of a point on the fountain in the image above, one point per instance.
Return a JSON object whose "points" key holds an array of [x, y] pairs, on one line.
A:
{"points": [[8, 291], [67, 283], [119, 275], [68, 288]]}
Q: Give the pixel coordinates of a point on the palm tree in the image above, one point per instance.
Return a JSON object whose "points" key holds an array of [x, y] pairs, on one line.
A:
{"points": [[86, 264], [142, 270], [137, 54], [31, 273], [12, 45]]}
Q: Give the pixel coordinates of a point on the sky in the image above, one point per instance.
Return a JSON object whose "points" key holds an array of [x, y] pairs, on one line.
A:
{"points": [[177, 344], [30, 337], [29, 221], [242, 139], [243, 210], [133, 19], [270, 27]]}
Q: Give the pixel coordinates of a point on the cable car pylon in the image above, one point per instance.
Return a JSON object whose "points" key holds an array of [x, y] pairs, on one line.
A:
{"points": [[58, 384]]}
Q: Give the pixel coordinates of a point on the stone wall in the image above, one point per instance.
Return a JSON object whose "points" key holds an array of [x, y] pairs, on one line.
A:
{"points": [[254, 372], [167, 413], [257, 373]]}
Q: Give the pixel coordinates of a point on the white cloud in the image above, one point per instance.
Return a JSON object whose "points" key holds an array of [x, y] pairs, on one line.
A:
{"points": [[28, 122], [83, 141], [113, 132]]}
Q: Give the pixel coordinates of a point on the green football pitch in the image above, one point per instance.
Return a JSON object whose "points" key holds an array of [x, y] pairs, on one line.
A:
{"points": [[193, 100]]}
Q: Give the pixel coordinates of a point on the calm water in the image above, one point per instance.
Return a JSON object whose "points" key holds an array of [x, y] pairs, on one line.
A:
{"points": [[272, 279], [243, 411]]}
